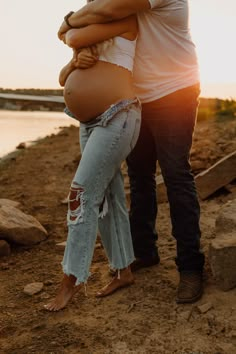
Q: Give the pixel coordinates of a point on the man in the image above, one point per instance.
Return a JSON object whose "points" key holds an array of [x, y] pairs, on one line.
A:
{"points": [[166, 78]]}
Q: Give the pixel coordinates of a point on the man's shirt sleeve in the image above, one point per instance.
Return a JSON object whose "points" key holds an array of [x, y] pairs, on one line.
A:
{"points": [[155, 3]]}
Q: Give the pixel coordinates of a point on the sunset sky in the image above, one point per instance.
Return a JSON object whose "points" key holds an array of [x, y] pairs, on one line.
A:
{"points": [[31, 54]]}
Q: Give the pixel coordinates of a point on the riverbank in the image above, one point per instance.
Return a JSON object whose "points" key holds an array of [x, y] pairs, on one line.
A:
{"points": [[142, 319], [21, 127]]}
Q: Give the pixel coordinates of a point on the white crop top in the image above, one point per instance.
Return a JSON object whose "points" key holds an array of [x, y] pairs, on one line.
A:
{"points": [[121, 52]]}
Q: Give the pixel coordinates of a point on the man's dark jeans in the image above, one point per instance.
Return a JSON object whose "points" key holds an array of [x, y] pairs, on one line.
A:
{"points": [[166, 135]]}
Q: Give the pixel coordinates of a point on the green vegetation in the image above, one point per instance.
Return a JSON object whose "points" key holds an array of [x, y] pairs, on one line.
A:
{"points": [[227, 108], [214, 107]]}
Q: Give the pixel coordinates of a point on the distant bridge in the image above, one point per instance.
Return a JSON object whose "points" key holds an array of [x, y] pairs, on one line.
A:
{"points": [[23, 102], [21, 97]]}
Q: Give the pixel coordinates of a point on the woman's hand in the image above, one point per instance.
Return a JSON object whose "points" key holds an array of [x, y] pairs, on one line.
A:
{"points": [[85, 58], [63, 38], [62, 31]]}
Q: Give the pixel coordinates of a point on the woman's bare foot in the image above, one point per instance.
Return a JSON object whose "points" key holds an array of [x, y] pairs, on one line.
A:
{"points": [[123, 278], [66, 292]]}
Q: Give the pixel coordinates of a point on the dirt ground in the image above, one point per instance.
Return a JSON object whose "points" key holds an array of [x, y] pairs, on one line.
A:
{"points": [[141, 319]]}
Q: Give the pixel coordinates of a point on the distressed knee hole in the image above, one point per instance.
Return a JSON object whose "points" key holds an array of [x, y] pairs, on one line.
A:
{"points": [[76, 203]]}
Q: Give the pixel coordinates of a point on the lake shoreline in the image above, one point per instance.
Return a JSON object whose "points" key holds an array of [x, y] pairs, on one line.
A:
{"points": [[26, 128], [12, 155]]}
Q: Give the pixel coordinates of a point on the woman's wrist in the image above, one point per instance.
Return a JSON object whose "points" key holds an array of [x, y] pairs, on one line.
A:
{"points": [[62, 30], [67, 17]]}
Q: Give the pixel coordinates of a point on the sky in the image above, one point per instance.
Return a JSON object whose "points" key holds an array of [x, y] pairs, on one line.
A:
{"points": [[32, 56]]}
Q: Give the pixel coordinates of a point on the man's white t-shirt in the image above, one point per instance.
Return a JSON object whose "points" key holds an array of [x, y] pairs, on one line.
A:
{"points": [[166, 59]]}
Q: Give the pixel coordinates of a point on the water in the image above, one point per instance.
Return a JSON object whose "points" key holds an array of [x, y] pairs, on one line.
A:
{"points": [[17, 127]]}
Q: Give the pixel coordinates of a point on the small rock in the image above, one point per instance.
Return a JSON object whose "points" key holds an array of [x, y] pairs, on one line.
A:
{"points": [[61, 246], [4, 266], [48, 282], [226, 348], [205, 307], [232, 334], [65, 201], [5, 249], [185, 315], [33, 288], [39, 326], [44, 296], [21, 146], [198, 165]]}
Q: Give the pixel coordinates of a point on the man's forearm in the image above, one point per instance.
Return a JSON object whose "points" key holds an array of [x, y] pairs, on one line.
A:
{"points": [[102, 11]]}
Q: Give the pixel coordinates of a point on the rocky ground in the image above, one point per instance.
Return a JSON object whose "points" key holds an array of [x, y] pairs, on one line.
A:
{"points": [[142, 319]]}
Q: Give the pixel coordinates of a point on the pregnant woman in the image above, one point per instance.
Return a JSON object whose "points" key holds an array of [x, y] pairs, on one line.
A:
{"points": [[103, 100]]}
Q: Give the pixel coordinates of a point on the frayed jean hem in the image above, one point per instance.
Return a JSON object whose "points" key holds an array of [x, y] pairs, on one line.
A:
{"points": [[79, 279], [127, 264]]}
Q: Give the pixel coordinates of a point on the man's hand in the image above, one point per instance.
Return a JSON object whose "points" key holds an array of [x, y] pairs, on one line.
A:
{"points": [[85, 58]]}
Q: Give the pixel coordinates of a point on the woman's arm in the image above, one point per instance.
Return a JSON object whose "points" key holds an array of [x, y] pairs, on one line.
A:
{"points": [[82, 59], [96, 33], [65, 72], [103, 11]]}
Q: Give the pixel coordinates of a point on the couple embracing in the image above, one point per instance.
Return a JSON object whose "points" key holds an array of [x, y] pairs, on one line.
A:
{"points": [[133, 83]]}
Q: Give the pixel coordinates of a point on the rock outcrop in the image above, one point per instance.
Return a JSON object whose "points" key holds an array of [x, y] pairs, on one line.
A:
{"points": [[17, 227], [222, 250]]}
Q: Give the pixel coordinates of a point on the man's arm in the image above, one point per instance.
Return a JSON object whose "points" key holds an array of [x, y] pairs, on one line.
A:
{"points": [[103, 11]]}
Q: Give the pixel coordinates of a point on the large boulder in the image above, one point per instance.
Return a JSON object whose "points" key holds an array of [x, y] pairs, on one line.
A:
{"points": [[222, 250], [20, 228], [226, 220]]}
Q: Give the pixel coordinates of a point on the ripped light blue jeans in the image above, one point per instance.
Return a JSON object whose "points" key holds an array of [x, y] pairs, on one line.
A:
{"points": [[97, 198]]}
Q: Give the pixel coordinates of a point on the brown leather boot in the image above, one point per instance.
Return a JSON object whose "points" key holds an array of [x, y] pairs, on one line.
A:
{"points": [[190, 287]]}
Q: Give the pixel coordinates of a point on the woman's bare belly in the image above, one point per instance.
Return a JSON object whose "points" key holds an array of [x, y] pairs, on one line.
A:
{"points": [[89, 92]]}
